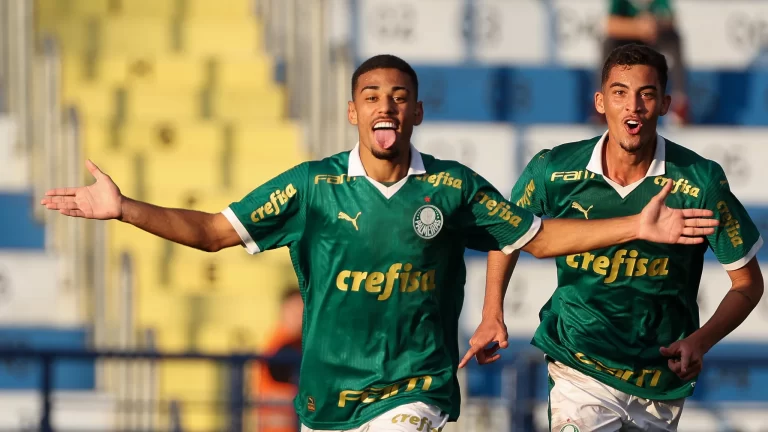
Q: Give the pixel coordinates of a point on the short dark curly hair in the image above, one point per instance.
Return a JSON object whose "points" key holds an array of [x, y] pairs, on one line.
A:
{"points": [[385, 61], [637, 54]]}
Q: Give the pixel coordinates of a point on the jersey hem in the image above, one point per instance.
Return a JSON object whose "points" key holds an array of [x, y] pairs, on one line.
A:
{"points": [[248, 241], [371, 415], [526, 238], [677, 393], [747, 258]]}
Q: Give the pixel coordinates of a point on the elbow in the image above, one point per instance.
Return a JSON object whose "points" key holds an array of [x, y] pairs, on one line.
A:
{"points": [[535, 248]]}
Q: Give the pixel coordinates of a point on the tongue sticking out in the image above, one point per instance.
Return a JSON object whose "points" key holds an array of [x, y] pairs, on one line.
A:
{"points": [[385, 138]]}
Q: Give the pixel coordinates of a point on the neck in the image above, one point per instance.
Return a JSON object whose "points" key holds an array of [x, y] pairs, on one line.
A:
{"points": [[624, 167], [385, 171]]}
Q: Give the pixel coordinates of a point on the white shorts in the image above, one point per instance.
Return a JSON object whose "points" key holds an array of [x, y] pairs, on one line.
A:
{"points": [[412, 417], [578, 402]]}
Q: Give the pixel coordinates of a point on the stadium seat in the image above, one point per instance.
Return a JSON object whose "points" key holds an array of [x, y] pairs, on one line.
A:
{"points": [[244, 74], [180, 172], [148, 8], [169, 137], [130, 36], [220, 9], [269, 143], [221, 38], [93, 101], [150, 103], [266, 105], [170, 72]]}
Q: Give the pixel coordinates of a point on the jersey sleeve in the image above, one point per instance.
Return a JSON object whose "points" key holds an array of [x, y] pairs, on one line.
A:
{"points": [[272, 215], [530, 190], [618, 8], [736, 240], [490, 222]]}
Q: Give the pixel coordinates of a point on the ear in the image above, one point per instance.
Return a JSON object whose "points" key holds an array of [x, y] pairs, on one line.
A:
{"points": [[600, 102], [418, 113], [351, 113], [665, 103]]}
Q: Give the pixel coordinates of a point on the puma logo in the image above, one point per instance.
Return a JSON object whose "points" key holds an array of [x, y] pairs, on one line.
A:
{"points": [[346, 217], [578, 207]]}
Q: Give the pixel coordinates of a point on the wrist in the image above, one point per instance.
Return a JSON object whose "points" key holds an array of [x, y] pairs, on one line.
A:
{"points": [[493, 313], [124, 209], [702, 340]]}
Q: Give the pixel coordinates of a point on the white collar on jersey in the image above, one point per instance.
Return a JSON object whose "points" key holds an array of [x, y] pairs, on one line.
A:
{"points": [[355, 169], [657, 168]]}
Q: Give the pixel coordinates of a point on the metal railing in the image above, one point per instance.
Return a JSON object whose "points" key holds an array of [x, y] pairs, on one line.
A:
{"points": [[237, 404]]}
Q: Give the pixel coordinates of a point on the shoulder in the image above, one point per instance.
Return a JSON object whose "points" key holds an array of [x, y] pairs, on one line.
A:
{"points": [[571, 156], [688, 163]]}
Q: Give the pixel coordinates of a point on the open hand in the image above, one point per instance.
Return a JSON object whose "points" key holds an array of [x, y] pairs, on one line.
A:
{"points": [[101, 200], [661, 224]]}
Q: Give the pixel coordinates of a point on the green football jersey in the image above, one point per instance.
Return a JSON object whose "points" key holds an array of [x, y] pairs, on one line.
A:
{"points": [[615, 307], [381, 270], [633, 8]]}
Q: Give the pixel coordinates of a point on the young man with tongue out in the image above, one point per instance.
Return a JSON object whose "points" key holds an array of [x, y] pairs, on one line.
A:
{"points": [[621, 331], [377, 236]]}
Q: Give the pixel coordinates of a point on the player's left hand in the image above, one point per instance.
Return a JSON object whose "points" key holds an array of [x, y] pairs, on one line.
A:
{"points": [[686, 357], [489, 331], [661, 224]]}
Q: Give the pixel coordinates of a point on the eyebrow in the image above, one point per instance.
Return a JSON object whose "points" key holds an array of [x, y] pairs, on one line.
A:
{"points": [[645, 87], [375, 87]]}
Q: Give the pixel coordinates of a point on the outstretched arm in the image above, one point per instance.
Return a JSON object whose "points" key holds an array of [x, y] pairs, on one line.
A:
{"points": [[103, 200], [657, 223]]}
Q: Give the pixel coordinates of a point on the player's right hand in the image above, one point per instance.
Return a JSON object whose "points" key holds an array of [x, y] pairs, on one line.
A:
{"points": [[489, 331], [101, 200]]}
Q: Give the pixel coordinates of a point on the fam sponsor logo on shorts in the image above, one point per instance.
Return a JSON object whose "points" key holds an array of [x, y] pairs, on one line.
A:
{"points": [[373, 394], [277, 200], [399, 276], [423, 423], [628, 263], [428, 221]]}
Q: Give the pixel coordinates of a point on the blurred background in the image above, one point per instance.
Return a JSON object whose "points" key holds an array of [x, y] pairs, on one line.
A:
{"points": [[193, 103]]}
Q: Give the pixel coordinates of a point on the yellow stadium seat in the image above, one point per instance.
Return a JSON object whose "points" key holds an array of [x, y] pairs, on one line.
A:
{"points": [[266, 105], [170, 72], [181, 172], [221, 38], [147, 8], [269, 143], [220, 8], [68, 9], [216, 275], [244, 74], [150, 103], [180, 137], [92, 102], [130, 36]]}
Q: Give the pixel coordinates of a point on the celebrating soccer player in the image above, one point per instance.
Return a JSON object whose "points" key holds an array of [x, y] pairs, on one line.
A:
{"points": [[621, 331], [377, 236]]}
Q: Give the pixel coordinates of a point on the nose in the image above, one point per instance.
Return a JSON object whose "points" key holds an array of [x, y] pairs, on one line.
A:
{"points": [[635, 104], [386, 105]]}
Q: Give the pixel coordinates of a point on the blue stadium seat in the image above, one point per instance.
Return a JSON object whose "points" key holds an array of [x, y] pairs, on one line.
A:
{"points": [[546, 95], [18, 228], [458, 93], [23, 374], [729, 97]]}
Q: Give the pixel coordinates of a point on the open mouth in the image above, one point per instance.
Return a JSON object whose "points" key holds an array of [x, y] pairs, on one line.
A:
{"points": [[633, 126], [385, 133]]}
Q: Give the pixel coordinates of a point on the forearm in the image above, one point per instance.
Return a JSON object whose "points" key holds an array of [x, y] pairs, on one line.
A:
{"points": [[558, 237], [186, 227], [499, 271], [732, 311]]}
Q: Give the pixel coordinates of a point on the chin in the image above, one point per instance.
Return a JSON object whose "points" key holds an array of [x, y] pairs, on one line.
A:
{"points": [[388, 154]]}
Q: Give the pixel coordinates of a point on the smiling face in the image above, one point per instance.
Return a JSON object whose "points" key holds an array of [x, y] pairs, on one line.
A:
{"points": [[385, 110], [632, 99]]}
